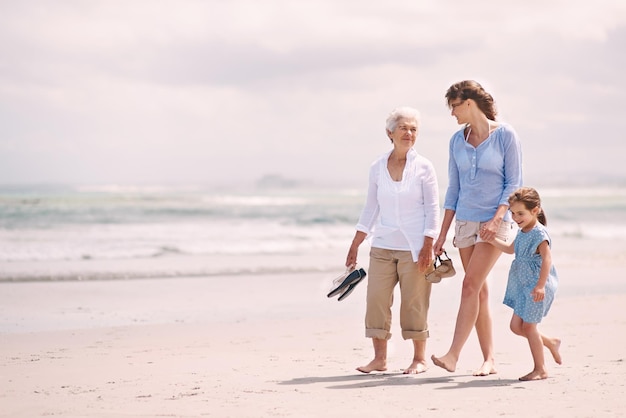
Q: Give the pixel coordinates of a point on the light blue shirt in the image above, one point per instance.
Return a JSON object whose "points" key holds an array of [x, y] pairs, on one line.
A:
{"points": [[482, 178], [399, 214]]}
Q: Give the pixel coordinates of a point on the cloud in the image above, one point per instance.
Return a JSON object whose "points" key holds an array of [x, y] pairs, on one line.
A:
{"points": [[209, 91]]}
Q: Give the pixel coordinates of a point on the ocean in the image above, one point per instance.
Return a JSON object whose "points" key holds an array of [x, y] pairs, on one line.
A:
{"points": [[113, 232]]}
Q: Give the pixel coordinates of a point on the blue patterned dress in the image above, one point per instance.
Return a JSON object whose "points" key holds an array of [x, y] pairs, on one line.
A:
{"points": [[524, 274]]}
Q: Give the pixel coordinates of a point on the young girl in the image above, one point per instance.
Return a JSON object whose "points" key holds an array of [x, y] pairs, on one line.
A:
{"points": [[532, 278]]}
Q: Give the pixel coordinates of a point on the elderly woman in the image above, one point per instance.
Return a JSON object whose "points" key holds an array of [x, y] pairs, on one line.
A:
{"points": [[401, 216]]}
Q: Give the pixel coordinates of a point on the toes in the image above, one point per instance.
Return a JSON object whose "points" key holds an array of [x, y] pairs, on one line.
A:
{"points": [[415, 370], [440, 363], [485, 372]]}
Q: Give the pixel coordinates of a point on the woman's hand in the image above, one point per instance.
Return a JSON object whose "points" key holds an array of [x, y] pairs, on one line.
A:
{"points": [[352, 255], [425, 257], [438, 246], [359, 237], [424, 261]]}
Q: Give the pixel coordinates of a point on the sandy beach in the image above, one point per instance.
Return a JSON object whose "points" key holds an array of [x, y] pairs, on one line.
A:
{"points": [[274, 345]]}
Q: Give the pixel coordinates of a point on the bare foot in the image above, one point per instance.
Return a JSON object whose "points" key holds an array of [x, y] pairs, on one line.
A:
{"points": [[534, 375], [554, 347], [486, 369], [416, 367], [444, 363], [374, 366]]}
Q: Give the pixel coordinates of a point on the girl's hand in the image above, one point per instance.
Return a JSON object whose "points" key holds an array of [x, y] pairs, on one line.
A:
{"points": [[538, 294], [489, 229]]}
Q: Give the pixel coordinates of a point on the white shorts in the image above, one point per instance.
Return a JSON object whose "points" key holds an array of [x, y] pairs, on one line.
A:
{"points": [[467, 233]]}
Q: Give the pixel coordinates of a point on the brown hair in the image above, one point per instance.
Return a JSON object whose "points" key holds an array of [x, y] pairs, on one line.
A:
{"points": [[530, 199], [470, 89]]}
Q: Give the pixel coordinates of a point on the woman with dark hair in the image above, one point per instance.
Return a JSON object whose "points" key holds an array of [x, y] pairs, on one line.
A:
{"points": [[484, 168]]}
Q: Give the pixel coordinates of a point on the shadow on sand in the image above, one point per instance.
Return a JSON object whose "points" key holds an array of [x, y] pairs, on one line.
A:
{"points": [[400, 379]]}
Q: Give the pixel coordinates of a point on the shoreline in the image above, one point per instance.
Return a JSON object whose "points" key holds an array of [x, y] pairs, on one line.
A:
{"points": [[172, 266], [575, 252]]}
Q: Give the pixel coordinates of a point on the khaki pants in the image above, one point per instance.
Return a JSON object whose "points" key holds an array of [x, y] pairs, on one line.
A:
{"points": [[387, 268]]}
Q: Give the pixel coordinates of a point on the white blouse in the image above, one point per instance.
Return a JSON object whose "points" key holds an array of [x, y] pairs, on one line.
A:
{"points": [[398, 214]]}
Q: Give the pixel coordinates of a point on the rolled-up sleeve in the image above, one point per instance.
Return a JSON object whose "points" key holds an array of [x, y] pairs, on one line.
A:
{"points": [[430, 190], [454, 184], [512, 164]]}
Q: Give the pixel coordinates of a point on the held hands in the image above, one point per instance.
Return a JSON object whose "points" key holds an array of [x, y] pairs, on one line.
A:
{"points": [[489, 229], [538, 294]]}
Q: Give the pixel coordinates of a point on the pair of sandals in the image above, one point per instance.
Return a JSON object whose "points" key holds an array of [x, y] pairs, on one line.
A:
{"points": [[345, 284], [442, 268]]}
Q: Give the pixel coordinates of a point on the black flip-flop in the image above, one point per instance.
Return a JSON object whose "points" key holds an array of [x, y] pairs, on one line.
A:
{"points": [[350, 288], [355, 275]]}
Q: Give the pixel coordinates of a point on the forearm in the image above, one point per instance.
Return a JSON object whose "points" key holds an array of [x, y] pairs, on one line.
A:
{"points": [[358, 239], [427, 247], [500, 212], [546, 264], [505, 247], [544, 272], [353, 251], [448, 217]]}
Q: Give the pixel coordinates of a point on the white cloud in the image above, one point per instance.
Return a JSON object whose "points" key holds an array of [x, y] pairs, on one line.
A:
{"points": [[232, 89]]}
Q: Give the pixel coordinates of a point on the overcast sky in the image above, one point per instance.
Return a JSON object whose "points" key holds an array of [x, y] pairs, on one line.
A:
{"points": [[228, 91]]}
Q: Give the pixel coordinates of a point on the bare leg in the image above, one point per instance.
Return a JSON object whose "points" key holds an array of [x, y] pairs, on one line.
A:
{"points": [[477, 261], [552, 344], [485, 333], [419, 358], [379, 363], [536, 348]]}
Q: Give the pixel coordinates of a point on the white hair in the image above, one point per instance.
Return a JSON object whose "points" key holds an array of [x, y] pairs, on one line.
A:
{"points": [[401, 113]]}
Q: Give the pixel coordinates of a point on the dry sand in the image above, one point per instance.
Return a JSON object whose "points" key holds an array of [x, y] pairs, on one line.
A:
{"points": [[274, 345]]}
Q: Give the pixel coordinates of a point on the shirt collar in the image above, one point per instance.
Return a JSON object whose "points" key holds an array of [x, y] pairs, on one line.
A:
{"points": [[411, 155]]}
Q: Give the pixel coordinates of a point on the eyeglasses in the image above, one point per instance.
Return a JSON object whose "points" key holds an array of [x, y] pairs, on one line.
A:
{"points": [[455, 105]]}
